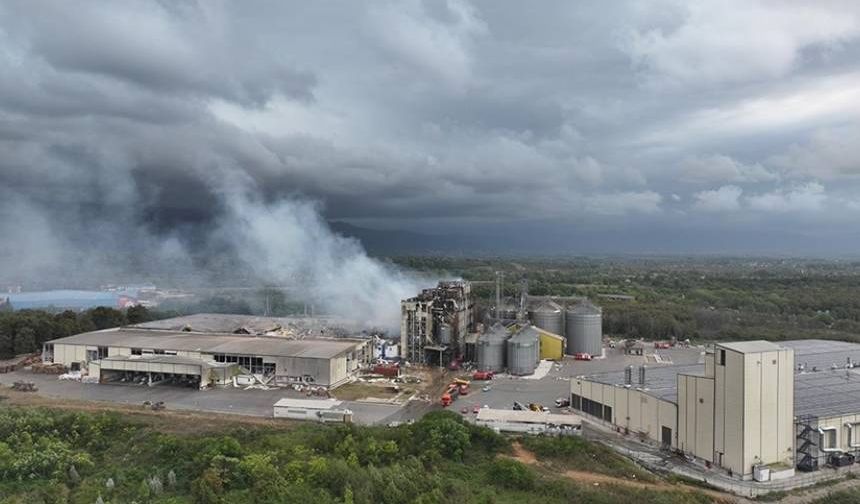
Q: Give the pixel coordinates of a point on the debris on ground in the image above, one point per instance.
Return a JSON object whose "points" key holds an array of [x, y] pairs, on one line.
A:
{"points": [[48, 368], [25, 386], [70, 376], [19, 362]]}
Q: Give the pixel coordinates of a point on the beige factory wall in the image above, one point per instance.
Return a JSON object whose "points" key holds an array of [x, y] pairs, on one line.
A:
{"points": [[338, 371], [753, 409], [709, 364], [118, 351], [696, 416], [67, 354], [193, 355], [319, 369], [768, 421], [787, 435], [729, 411], [843, 441], [632, 409]]}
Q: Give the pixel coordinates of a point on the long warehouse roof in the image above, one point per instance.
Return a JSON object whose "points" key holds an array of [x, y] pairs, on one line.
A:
{"points": [[823, 392], [272, 346]]}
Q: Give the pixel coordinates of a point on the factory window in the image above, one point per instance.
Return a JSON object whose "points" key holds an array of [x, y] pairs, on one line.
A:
{"points": [[158, 351], [592, 408], [103, 352], [828, 439], [722, 357], [576, 402], [252, 365], [136, 351], [607, 413]]}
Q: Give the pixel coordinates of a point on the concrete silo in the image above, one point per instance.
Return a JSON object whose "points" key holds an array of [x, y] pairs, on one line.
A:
{"points": [[490, 349], [549, 316], [584, 329], [523, 352]]}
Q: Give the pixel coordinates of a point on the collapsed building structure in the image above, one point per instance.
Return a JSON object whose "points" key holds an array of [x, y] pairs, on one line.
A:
{"points": [[434, 324]]}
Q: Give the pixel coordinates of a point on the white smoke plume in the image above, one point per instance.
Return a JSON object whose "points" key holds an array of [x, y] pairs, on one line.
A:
{"points": [[287, 243]]}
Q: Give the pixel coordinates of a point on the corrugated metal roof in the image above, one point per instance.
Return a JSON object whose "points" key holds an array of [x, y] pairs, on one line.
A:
{"points": [[520, 416], [526, 334], [229, 323], [214, 343], [585, 308], [751, 346], [826, 392], [548, 306], [321, 404]]}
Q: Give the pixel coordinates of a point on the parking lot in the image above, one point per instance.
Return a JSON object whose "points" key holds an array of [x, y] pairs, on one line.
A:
{"points": [[220, 400], [504, 390]]}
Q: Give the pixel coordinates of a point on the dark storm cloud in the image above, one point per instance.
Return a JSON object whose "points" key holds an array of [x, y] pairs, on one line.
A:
{"points": [[127, 124]]}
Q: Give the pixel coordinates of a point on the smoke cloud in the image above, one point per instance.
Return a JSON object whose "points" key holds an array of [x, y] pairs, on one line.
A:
{"points": [[288, 243]]}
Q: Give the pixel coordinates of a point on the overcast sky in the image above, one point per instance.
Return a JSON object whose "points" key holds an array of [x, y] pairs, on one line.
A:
{"points": [[710, 118]]}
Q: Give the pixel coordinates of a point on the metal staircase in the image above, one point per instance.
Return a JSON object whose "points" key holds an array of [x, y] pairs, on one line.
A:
{"points": [[807, 443]]}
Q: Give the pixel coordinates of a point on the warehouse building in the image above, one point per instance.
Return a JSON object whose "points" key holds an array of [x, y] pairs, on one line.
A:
{"points": [[188, 356], [753, 408]]}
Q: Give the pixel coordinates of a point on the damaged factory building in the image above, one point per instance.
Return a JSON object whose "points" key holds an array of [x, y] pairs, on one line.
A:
{"points": [[209, 349], [435, 323]]}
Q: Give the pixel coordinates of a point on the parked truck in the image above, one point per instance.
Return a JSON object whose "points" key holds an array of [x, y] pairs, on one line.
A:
{"points": [[482, 375]]}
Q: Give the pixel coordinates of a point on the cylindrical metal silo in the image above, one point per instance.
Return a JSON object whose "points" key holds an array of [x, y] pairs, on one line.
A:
{"points": [[490, 349], [523, 352], [549, 317], [584, 329], [445, 332]]}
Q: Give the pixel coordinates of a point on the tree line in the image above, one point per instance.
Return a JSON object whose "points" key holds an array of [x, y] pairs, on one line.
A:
{"points": [[24, 331]]}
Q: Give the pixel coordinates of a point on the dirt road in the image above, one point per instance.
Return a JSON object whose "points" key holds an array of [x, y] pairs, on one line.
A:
{"points": [[596, 479]]}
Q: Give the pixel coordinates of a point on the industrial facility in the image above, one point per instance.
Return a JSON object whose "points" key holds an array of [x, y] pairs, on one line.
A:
{"points": [[434, 325], [756, 409], [204, 350], [580, 322]]}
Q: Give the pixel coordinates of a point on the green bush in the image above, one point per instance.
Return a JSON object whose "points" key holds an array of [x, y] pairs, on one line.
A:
{"points": [[509, 473]]}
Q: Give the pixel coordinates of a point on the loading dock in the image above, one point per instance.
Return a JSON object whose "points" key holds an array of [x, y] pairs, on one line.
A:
{"points": [[161, 370]]}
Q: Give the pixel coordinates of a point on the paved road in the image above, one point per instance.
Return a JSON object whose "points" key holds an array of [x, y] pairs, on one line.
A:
{"points": [[221, 400]]}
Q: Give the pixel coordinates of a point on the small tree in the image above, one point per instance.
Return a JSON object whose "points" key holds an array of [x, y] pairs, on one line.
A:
{"points": [[155, 485], [109, 484], [74, 477], [99, 500], [143, 491], [171, 479]]}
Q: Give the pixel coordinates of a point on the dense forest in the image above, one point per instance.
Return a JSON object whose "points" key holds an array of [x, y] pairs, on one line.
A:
{"points": [[53, 457], [696, 298]]}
